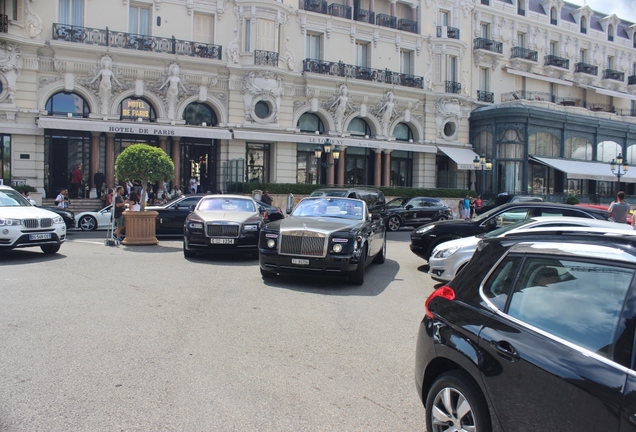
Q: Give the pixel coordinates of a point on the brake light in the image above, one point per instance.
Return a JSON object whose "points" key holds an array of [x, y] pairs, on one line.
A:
{"points": [[444, 292]]}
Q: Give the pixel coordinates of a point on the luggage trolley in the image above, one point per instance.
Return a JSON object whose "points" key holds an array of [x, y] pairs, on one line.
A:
{"points": [[111, 240]]}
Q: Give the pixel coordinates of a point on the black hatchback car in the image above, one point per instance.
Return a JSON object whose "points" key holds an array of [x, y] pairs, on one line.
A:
{"points": [[414, 211], [425, 238], [536, 334]]}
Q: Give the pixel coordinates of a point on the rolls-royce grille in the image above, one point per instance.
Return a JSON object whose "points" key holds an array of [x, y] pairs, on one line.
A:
{"points": [[302, 243], [33, 223], [223, 230]]}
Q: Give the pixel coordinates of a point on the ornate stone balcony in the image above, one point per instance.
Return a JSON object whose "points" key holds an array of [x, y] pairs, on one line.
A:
{"points": [[485, 96], [447, 32], [265, 58], [488, 45], [524, 54], [560, 62], [4, 23], [586, 69], [453, 87], [362, 73], [614, 75]]}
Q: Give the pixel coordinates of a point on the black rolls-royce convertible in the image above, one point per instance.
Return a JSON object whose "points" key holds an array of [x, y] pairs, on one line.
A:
{"points": [[323, 236]]}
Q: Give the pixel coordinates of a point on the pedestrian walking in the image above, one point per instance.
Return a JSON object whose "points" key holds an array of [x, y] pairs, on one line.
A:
{"points": [[61, 201], [76, 181], [619, 209], [98, 179]]}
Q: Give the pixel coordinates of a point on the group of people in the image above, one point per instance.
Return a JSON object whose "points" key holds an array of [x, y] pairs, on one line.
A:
{"points": [[467, 205]]}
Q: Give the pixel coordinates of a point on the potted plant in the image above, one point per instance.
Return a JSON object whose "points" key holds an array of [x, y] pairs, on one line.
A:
{"points": [[146, 164]]}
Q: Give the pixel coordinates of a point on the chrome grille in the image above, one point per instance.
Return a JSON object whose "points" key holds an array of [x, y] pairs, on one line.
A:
{"points": [[223, 230], [305, 243], [46, 223], [33, 223]]}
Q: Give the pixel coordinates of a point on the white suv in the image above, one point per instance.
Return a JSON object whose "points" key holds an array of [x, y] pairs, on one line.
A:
{"points": [[22, 225]]}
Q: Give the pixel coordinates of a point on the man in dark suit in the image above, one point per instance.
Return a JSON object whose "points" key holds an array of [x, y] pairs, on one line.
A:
{"points": [[98, 179]]}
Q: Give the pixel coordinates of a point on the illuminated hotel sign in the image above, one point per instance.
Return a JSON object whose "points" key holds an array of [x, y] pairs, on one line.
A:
{"points": [[133, 109]]}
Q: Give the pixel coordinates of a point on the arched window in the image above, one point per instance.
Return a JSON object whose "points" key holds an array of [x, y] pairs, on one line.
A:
{"points": [[402, 132], [196, 114], [311, 123], [137, 109], [610, 33], [483, 143], [63, 104], [359, 127], [607, 150], [583, 24], [544, 144], [521, 7], [553, 16], [578, 148]]}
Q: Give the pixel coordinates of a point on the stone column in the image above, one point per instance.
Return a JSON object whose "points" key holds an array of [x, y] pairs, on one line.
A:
{"points": [[414, 14], [386, 175], [377, 172], [94, 163], [163, 145], [341, 167], [109, 173], [372, 5], [393, 3], [331, 169], [176, 159]]}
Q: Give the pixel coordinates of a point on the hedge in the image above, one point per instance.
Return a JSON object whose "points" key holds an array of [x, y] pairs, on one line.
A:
{"points": [[306, 189]]}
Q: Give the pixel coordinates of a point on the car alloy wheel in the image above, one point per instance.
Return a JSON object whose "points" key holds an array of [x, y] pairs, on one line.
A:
{"points": [[455, 403], [394, 223], [87, 223]]}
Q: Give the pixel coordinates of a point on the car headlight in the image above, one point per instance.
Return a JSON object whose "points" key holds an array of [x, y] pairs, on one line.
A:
{"points": [[252, 227], [425, 229], [445, 253], [271, 243], [195, 225], [58, 220], [10, 222], [338, 244]]}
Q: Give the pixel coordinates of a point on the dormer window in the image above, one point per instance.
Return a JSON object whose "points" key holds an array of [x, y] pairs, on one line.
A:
{"points": [[521, 7], [610, 33], [553, 16], [584, 25]]}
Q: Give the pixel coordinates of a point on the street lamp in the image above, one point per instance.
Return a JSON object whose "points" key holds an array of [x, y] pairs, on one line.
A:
{"points": [[616, 165], [327, 149], [482, 164]]}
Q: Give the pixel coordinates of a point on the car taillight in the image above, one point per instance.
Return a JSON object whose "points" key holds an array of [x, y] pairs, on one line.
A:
{"points": [[444, 292]]}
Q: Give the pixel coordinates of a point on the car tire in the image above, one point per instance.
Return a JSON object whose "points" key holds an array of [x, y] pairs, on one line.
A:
{"points": [[50, 249], [381, 256], [441, 218], [268, 274], [186, 252], [393, 223], [87, 223], [450, 391], [357, 276]]}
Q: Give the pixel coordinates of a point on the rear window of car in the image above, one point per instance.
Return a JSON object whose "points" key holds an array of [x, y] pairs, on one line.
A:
{"points": [[578, 301]]}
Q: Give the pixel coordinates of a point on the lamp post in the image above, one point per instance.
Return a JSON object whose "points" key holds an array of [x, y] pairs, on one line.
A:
{"points": [[328, 165], [482, 164], [619, 168]]}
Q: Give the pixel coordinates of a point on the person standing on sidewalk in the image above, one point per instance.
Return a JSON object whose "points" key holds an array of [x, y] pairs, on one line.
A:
{"points": [[619, 209], [76, 181], [120, 206], [98, 179]]}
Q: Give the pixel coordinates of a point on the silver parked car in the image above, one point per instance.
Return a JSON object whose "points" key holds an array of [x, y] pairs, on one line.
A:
{"points": [[450, 257]]}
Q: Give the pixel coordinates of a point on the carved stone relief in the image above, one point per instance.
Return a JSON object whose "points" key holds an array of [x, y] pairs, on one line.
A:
{"points": [[448, 111], [10, 66], [263, 86], [32, 22]]}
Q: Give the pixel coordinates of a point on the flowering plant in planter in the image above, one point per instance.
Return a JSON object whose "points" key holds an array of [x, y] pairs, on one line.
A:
{"points": [[145, 163]]}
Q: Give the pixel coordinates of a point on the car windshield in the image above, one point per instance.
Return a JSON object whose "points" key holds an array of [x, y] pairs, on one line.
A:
{"points": [[334, 193], [12, 198], [396, 203], [226, 204], [330, 207], [505, 229]]}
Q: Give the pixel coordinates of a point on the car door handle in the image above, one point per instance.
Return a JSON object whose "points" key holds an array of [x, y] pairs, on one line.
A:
{"points": [[505, 350]]}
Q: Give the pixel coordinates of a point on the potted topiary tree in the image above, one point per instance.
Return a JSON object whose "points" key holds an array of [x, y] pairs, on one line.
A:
{"points": [[147, 164]]}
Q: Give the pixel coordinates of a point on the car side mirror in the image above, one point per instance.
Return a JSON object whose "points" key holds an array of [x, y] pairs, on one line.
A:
{"points": [[192, 207], [288, 211], [492, 224], [408, 207]]}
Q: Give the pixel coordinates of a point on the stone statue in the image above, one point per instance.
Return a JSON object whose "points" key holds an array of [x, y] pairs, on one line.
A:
{"points": [[387, 111], [341, 104], [105, 85], [172, 93]]}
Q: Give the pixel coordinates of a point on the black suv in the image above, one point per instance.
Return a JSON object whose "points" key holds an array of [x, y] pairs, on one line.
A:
{"points": [[505, 199], [414, 211], [536, 334], [425, 238], [376, 202]]}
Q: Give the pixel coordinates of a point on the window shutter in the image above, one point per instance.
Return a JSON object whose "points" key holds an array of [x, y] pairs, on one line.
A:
{"points": [[203, 28], [265, 35]]}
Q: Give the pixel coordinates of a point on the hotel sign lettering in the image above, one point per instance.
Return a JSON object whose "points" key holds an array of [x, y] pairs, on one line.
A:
{"points": [[141, 130], [135, 109]]}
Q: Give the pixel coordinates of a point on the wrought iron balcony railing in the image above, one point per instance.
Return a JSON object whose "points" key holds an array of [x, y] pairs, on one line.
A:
{"points": [[585, 68], [265, 58], [363, 73], [4, 23], [569, 101], [385, 20], [527, 95], [627, 112], [451, 32], [613, 75], [487, 44], [339, 10], [524, 53], [117, 39], [485, 96], [407, 25], [363, 15], [319, 6], [560, 62], [631, 80], [453, 87], [600, 107]]}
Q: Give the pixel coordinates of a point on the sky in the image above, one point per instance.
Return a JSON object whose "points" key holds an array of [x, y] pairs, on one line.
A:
{"points": [[624, 9]]}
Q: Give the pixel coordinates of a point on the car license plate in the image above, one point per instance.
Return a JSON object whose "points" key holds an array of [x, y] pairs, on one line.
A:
{"points": [[39, 236], [222, 241], [300, 261]]}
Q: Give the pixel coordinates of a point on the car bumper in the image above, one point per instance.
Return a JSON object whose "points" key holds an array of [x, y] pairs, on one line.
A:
{"points": [[330, 265], [421, 251], [218, 244], [25, 240], [424, 355]]}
